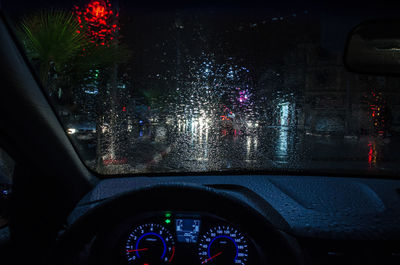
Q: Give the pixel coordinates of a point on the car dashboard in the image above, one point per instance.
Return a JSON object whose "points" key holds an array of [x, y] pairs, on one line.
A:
{"points": [[326, 220], [171, 237]]}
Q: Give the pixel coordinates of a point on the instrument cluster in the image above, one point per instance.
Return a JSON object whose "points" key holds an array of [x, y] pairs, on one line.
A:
{"points": [[182, 238]]}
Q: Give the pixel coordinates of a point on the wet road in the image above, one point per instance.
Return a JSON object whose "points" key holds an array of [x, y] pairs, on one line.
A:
{"points": [[262, 149]]}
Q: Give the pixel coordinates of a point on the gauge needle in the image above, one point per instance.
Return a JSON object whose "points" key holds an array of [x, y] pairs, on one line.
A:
{"points": [[140, 249], [216, 255]]}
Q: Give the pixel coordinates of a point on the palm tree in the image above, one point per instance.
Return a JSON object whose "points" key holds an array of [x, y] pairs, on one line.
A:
{"points": [[51, 39], [63, 55]]}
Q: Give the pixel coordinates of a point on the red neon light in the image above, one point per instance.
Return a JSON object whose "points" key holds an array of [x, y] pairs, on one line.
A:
{"points": [[98, 21], [370, 154]]}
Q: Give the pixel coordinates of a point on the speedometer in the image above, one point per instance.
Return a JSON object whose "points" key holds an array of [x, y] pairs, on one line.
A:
{"points": [[150, 244], [223, 245]]}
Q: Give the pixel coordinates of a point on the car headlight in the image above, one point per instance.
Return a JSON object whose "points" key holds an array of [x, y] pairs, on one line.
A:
{"points": [[71, 131]]}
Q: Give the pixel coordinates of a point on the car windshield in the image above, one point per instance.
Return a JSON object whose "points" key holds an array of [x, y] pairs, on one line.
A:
{"points": [[142, 87]]}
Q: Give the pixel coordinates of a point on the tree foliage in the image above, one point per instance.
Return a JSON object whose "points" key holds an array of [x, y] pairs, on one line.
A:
{"points": [[57, 45], [51, 38]]}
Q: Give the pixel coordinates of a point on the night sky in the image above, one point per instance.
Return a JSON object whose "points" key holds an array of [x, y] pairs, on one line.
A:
{"points": [[258, 33], [348, 8], [336, 17]]}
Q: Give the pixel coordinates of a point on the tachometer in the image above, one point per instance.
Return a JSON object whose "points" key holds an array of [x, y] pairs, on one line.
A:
{"points": [[223, 245], [150, 244]]}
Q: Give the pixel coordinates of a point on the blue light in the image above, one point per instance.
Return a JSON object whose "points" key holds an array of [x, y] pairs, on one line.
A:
{"points": [[154, 234], [228, 237], [140, 122]]}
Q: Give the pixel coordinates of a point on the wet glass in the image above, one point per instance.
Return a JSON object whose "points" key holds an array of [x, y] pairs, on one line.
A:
{"points": [[220, 89]]}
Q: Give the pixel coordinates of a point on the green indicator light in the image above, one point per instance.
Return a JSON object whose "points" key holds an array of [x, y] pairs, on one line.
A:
{"points": [[168, 215], [167, 221]]}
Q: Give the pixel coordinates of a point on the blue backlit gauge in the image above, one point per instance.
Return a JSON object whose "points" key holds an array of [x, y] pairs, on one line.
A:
{"points": [[150, 244], [223, 245]]}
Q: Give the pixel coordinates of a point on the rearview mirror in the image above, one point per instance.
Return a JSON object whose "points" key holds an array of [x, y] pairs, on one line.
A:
{"points": [[373, 47]]}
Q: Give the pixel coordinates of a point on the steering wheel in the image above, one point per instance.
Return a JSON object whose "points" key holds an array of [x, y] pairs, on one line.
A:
{"points": [[275, 247]]}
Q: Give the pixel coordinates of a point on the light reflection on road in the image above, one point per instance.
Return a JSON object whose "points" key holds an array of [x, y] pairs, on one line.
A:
{"points": [[281, 149], [200, 145]]}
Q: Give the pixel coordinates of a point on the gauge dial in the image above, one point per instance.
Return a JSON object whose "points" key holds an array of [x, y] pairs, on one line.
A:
{"points": [[223, 245], [150, 244]]}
